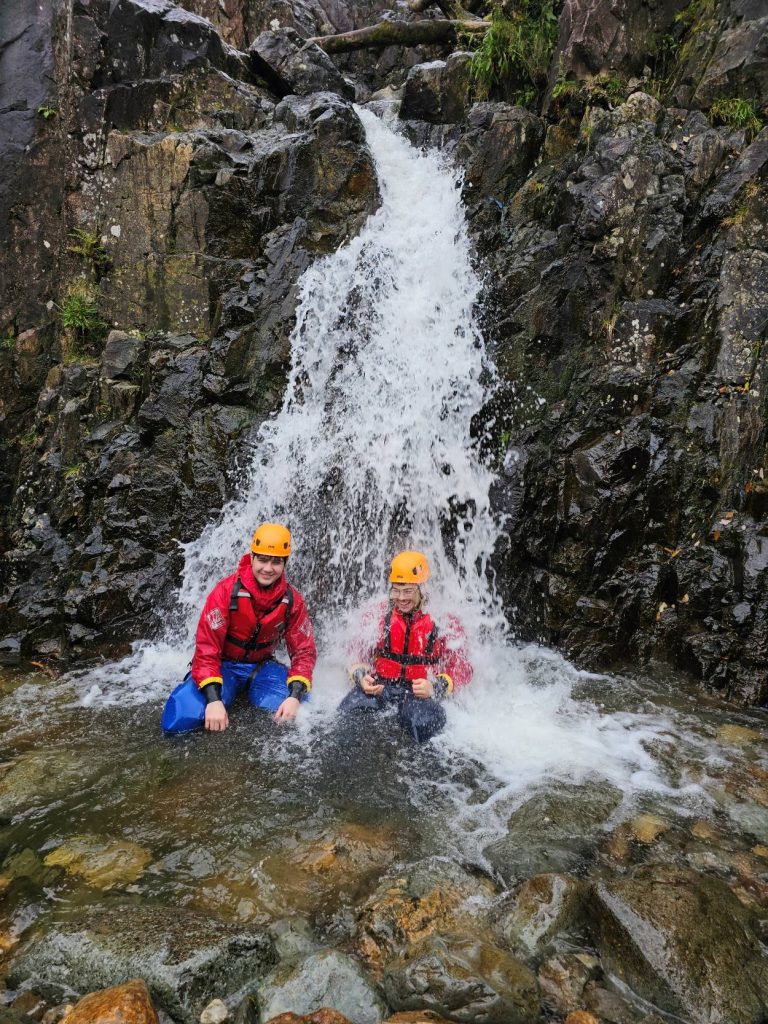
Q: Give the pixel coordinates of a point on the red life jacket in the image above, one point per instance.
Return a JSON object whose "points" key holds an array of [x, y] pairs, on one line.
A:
{"points": [[407, 646], [253, 633]]}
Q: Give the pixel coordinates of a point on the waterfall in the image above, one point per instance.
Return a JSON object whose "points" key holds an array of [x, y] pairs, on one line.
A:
{"points": [[372, 451]]}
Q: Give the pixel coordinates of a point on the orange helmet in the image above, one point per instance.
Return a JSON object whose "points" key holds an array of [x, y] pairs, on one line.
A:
{"points": [[409, 567], [272, 539]]}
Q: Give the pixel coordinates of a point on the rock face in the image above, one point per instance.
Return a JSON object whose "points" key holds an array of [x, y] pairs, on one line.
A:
{"points": [[186, 959], [192, 203], [632, 459], [682, 941]]}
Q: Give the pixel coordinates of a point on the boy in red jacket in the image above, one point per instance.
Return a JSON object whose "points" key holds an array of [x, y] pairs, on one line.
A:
{"points": [[415, 663], [243, 620]]}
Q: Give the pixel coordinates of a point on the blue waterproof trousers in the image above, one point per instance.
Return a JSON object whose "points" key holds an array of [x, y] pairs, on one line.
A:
{"points": [[265, 682], [421, 718]]}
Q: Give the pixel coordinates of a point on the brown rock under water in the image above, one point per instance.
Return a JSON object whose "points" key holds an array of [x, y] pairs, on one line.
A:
{"points": [[325, 1015], [123, 1004]]}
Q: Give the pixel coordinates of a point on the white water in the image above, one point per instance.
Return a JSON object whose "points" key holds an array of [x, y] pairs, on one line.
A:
{"points": [[371, 452]]}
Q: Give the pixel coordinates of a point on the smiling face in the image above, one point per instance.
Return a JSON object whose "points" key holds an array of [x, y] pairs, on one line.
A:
{"points": [[267, 569], [406, 597]]}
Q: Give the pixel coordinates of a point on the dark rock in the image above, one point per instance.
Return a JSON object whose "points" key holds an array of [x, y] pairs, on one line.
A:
{"points": [[291, 65], [120, 355], [439, 92], [682, 941], [749, 165], [542, 908], [185, 959], [499, 150]]}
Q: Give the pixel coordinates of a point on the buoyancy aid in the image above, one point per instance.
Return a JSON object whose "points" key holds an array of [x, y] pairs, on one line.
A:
{"points": [[407, 647]]}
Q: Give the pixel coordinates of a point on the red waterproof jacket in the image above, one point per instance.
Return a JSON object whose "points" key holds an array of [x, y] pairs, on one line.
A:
{"points": [[242, 621], [410, 647]]}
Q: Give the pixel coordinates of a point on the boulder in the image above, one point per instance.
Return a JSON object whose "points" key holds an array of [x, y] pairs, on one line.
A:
{"points": [[553, 831], [542, 908], [103, 864], [682, 941], [439, 92], [129, 1003], [498, 150], [324, 979], [291, 65], [464, 980], [186, 959]]}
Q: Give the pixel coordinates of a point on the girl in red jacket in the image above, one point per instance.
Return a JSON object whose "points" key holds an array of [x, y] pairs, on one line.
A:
{"points": [[244, 619], [415, 663]]}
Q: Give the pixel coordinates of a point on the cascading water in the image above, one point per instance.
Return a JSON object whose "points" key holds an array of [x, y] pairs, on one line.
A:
{"points": [[373, 451]]}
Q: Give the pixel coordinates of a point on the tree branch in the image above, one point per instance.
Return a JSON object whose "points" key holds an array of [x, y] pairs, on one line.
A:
{"points": [[398, 33]]}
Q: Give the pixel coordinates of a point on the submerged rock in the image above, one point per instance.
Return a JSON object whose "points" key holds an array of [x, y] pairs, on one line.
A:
{"points": [[186, 959], [682, 941], [324, 979], [102, 864]]}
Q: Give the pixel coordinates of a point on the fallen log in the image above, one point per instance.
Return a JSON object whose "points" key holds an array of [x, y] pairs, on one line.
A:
{"points": [[399, 33]]}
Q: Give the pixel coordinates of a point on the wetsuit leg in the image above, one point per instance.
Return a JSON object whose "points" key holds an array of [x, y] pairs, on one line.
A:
{"points": [[268, 688], [356, 700], [185, 708], [422, 719]]}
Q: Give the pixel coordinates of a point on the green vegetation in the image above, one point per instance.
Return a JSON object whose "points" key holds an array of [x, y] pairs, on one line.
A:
{"points": [[736, 113], [88, 246], [7, 342], [47, 112], [605, 90], [517, 49], [80, 317]]}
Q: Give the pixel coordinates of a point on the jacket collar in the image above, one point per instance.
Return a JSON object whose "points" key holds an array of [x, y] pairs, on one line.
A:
{"points": [[262, 597]]}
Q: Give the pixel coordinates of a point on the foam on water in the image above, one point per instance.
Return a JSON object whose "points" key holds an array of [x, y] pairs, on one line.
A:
{"points": [[372, 451]]}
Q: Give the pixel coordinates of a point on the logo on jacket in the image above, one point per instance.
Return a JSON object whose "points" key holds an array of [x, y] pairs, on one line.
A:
{"points": [[215, 618]]}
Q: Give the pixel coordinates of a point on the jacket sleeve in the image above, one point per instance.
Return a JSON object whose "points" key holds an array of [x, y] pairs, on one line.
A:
{"points": [[300, 641], [211, 631], [360, 651], [454, 666]]}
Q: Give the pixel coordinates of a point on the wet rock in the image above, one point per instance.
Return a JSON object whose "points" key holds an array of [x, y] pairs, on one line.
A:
{"points": [[498, 150], [291, 65], [553, 831], [103, 865], [739, 735], [337, 861], [439, 92], [682, 941], [124, 1004], [542, 908], [325, 979], [120, 355], [322, 1016], [646, 828], [404, 910], [216, 1012], [563, 978], [186, 959], [581, 1017], [415, 1017], [463, 979], [39, 776]]}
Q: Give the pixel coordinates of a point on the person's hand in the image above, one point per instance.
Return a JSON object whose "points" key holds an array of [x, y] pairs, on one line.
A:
{"points": [[369, 685], [422, 688], [216, 717], [287, 710]]}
